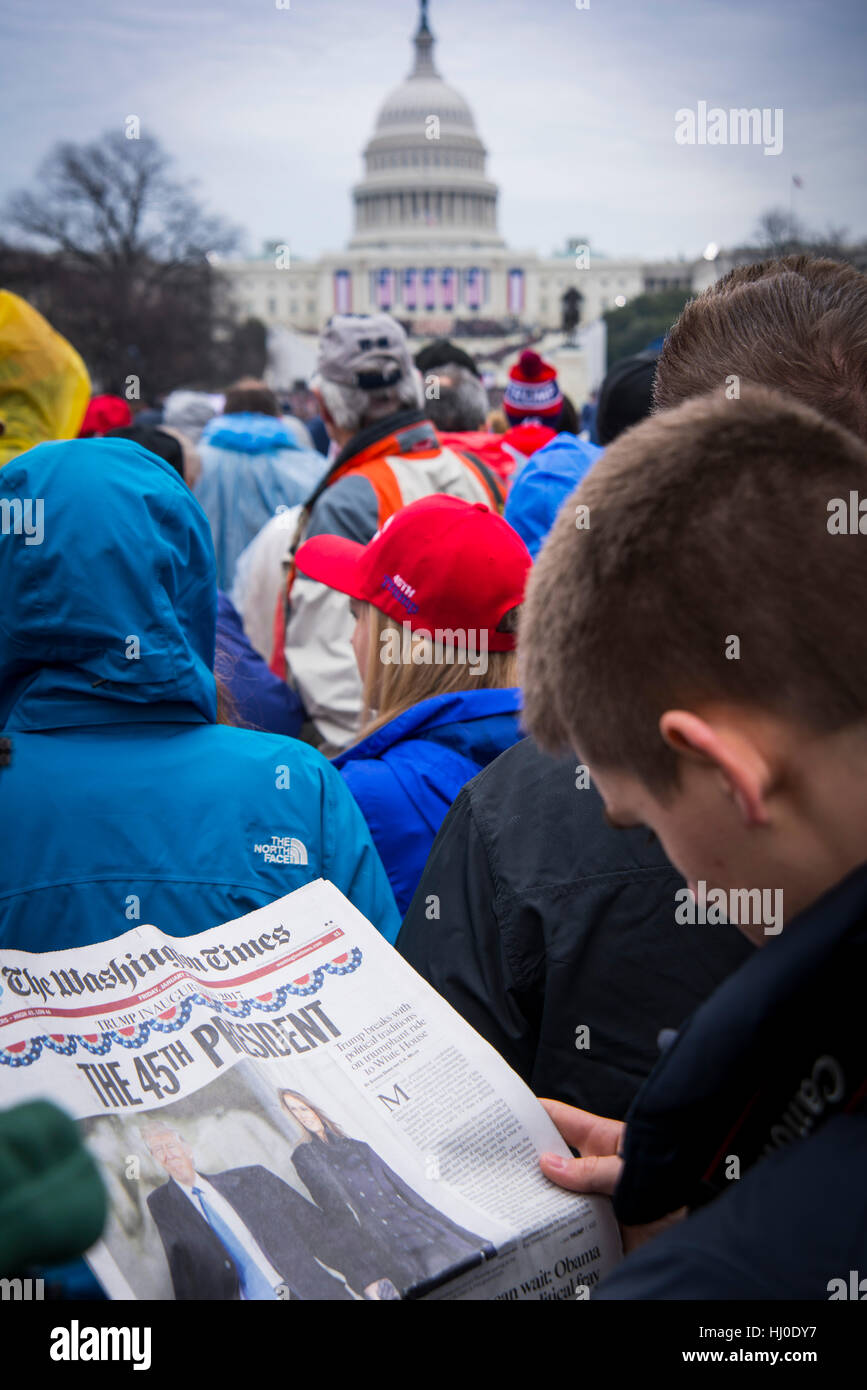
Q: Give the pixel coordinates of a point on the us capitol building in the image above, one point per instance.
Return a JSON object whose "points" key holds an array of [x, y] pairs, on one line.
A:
{"points": [[426, 247]]}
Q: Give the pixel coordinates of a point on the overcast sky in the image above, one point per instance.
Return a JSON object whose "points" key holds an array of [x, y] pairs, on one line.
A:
{"points": [[268, 109]]}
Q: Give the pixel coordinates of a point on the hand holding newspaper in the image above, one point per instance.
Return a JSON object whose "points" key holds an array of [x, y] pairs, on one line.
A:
{"points": [[282, 1109]]}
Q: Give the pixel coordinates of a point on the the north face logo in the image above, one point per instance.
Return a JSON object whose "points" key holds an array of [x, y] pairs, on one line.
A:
{"points": [[283, 849]]}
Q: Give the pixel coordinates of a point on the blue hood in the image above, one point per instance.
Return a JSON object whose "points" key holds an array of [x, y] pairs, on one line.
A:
{"points": [[125, 564], [247, 433], [406, 775], [539, 490], [465, 721]]}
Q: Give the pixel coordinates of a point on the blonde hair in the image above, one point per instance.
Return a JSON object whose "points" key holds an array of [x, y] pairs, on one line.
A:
{"points": [[390, 688]]}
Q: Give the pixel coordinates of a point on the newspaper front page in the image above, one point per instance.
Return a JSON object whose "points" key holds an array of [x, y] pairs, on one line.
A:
{"points": [[282, 1108]]}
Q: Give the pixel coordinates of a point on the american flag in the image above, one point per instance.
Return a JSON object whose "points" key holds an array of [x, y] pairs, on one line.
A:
{"points": [[516, 291], [430, 288], [447, 281], [384, 289], [410, 289], [342, 292], [473, 287]]}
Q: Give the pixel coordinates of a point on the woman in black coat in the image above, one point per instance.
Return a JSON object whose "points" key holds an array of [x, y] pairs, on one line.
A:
{"points": [[411, 1242]]}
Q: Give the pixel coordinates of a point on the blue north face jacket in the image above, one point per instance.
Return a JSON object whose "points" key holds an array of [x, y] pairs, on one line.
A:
{"points": [[406, 774], [124, 802]]}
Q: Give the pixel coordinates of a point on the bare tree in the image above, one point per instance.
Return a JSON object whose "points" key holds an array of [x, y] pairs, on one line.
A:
{"points": [[836, 243], [780, 233], [130, 280]]}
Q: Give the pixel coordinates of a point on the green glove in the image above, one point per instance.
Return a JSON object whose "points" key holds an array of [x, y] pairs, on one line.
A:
{"points": [[52, 1200]]}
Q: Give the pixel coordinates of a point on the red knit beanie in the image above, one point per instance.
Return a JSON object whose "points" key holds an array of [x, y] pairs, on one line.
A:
{"points": [[532, 392]]}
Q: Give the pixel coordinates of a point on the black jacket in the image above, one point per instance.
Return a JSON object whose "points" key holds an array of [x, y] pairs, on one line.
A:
{"points": [[289, 1229], [771, 1072], [415, 1244], [549, 920]]}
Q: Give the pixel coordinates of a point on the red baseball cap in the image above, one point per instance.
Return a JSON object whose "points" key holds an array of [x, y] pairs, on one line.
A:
{"points": [[438, 563]]}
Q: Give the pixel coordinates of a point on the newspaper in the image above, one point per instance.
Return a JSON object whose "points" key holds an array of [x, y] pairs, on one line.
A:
{"points": [[282, 1108]]}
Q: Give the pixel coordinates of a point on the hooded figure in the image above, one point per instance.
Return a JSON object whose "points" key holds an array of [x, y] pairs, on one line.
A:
{"points": [[252, 467], [44, 386], [124, 801]]}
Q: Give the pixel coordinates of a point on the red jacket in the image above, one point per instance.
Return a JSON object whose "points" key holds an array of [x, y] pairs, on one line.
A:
{"points": [[501, 452]]}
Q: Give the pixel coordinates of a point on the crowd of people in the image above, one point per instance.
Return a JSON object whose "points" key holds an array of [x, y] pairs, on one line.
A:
{"points": [[489, 655]]}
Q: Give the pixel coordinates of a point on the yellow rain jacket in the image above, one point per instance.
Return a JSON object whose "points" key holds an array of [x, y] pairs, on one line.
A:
{"points": [[44, 386]]}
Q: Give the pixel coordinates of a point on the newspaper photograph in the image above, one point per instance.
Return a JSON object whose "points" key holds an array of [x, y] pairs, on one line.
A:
{"points": [[281, 1108]]}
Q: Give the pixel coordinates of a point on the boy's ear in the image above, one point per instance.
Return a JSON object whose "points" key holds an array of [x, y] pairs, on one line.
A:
{"points": [[721, 745]]}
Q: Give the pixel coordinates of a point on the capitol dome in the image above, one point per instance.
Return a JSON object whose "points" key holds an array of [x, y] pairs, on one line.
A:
{"points": [[424, 181]]}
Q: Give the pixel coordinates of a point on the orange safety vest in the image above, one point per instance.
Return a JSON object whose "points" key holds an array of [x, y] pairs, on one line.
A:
{"points": [[373, 464]]}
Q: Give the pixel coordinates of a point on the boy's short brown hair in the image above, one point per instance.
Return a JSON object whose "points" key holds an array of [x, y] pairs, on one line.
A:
{"points": [[706, 523], [250, 396], [798, 324]]}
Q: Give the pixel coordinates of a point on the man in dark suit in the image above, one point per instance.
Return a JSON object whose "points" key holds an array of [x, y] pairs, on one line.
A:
{"points": [[244, 1233]]}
